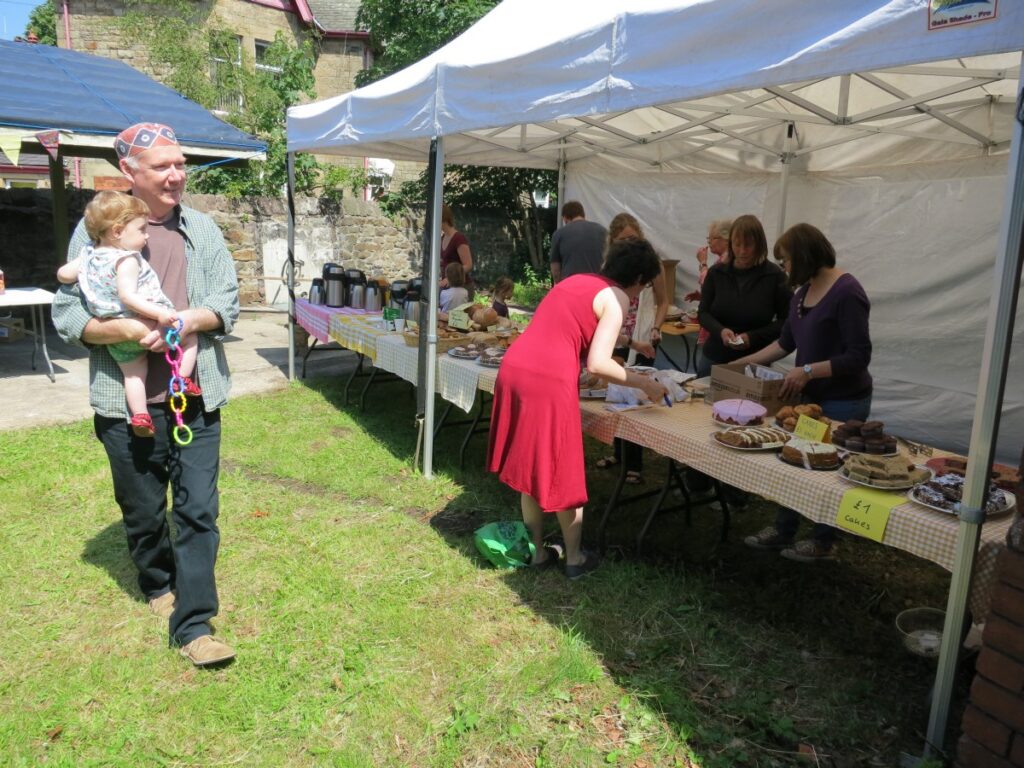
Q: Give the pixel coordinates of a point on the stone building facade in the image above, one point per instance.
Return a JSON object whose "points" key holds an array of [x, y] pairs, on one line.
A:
{"points": [[342, 51]]}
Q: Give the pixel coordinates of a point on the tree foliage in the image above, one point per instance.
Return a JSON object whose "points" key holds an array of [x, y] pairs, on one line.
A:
{"points": [[401, 33], [42, 22], [181, 44]]}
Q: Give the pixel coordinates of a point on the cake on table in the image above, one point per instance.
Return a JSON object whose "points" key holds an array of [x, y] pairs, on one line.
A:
{"points": [[884, 472], [810, 454], [742, 413], [752, 437]]}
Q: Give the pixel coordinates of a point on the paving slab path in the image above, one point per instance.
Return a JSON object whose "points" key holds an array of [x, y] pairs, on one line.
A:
{"points": [[257, 352]]}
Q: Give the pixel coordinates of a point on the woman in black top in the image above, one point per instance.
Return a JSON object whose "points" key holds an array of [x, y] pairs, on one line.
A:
{"points": [[744, 300]]}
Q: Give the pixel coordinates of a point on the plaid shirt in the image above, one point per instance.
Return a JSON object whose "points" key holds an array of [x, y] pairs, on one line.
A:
{"points": [[211, 282]]}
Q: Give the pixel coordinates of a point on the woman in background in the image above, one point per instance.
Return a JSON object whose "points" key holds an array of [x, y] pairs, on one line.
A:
{"points": [[455, 249], [744, 299]]}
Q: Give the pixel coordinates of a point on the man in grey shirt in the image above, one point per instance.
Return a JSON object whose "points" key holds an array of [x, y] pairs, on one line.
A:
{"points": [[578, 247]]}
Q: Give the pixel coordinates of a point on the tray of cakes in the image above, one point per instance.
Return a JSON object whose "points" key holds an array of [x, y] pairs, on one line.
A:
{"points": [[491, 357], [466, 351], [751, 438], [738, 413], [857, 436], [1003, 476], [887, 473], [943, 493], [787, 416], [810, 454]]}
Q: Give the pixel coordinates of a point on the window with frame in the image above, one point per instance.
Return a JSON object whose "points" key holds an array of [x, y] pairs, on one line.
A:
{"points": [[225, 71], [262, 65]]}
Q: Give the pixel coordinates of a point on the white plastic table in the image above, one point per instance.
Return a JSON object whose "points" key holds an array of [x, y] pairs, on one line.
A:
{"points": [[35, 299]]}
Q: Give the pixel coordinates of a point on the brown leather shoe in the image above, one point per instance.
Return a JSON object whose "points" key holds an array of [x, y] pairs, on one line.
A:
{"points": [[205, 650], [163, 606]]}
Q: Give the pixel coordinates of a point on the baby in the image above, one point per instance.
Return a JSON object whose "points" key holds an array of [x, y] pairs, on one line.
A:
{"points": [[118, 282]]}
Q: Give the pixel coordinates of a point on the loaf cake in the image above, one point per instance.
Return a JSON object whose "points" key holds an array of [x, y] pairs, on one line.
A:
{"points": [[752, 437], [810, 454]]}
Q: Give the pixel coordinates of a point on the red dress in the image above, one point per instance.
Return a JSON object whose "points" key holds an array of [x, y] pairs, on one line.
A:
{"points": [[536, 439]]}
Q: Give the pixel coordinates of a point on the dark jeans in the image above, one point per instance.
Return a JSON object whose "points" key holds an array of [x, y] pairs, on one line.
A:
{"points": [[142, 468], [625, 451], [787, 520]]}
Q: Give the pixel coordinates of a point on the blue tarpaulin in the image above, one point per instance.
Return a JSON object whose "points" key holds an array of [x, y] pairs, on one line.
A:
{"points": [[47, 88]]}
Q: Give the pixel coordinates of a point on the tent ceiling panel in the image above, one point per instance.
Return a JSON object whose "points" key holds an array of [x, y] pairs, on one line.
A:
{"points": [[643, 86]]}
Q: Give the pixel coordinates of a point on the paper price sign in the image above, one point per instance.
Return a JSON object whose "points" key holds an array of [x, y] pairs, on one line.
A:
{"points": [[866, 512], [458, 319], [810, 429]]}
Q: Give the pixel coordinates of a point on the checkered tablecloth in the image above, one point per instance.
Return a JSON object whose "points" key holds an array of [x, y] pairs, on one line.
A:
{"points": [[458, 380], [316, 318], [397, 357], [357, 332], [684, 433]]}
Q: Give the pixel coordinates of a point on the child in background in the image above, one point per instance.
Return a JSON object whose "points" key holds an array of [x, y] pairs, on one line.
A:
{"points": [[503, 289], [118, 282], [456, 293]]}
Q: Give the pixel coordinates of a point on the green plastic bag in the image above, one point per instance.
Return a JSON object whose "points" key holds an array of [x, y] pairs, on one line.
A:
{"points": [[505, 544]]}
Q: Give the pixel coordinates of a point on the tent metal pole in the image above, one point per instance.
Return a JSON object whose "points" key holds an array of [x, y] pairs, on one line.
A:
{"points": [[561, 181], [291, 265], [985, 429], [429, 323], [787, 160], [60, 207]]}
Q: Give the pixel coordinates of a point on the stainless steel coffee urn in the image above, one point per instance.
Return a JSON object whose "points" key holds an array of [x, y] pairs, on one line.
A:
{"points": [[373, 296], [354, 278], [334, 285], [316, 291]]}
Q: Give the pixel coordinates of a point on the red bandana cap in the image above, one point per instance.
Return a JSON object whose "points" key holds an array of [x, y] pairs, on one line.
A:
{"points": [[142, 136]]}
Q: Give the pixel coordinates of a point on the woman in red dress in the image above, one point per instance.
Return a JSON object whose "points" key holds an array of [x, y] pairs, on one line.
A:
{"points": [[536, 439]]}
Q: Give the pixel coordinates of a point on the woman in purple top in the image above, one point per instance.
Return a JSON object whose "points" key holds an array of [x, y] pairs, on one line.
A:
{"points": [[828, 327]]}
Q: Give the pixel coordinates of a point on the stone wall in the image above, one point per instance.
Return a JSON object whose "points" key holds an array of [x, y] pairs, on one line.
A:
{"points": [[354, 233]]}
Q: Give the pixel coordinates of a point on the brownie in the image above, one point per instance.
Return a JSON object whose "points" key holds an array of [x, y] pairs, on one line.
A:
{"points": [[890, 443], [855, 443], [875, 446], [839, 438], [872, 429], [853, 426]]}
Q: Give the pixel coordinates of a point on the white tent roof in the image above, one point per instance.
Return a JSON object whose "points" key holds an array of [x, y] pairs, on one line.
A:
{"points": [[700, 85]]}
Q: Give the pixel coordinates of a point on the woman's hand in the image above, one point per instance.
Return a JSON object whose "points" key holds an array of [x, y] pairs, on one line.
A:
{"points": [[794, 383], [702, 256], [653, 388], [643, 348], [655, 336], [444, 282], [727, 336]]}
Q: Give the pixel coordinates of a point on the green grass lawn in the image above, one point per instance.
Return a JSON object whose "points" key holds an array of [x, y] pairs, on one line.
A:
{"points": [[370, 633]]}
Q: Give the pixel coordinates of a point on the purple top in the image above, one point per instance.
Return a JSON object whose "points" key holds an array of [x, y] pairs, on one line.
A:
{"points": [[834, 329]]}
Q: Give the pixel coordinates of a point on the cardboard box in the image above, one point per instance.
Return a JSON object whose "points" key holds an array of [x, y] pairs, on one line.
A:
{"points": [[11, 330], [729, 381]]}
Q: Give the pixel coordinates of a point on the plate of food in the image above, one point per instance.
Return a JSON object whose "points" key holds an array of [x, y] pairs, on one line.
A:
{"points": [[865, 437], [751, 438], [883, 473], [809, 454], [943, 493], [465, 352], [1003, 476], [491, 357]]}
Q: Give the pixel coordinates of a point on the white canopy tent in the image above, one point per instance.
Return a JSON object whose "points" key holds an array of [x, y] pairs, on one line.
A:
{"points": [[890, 124]]}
